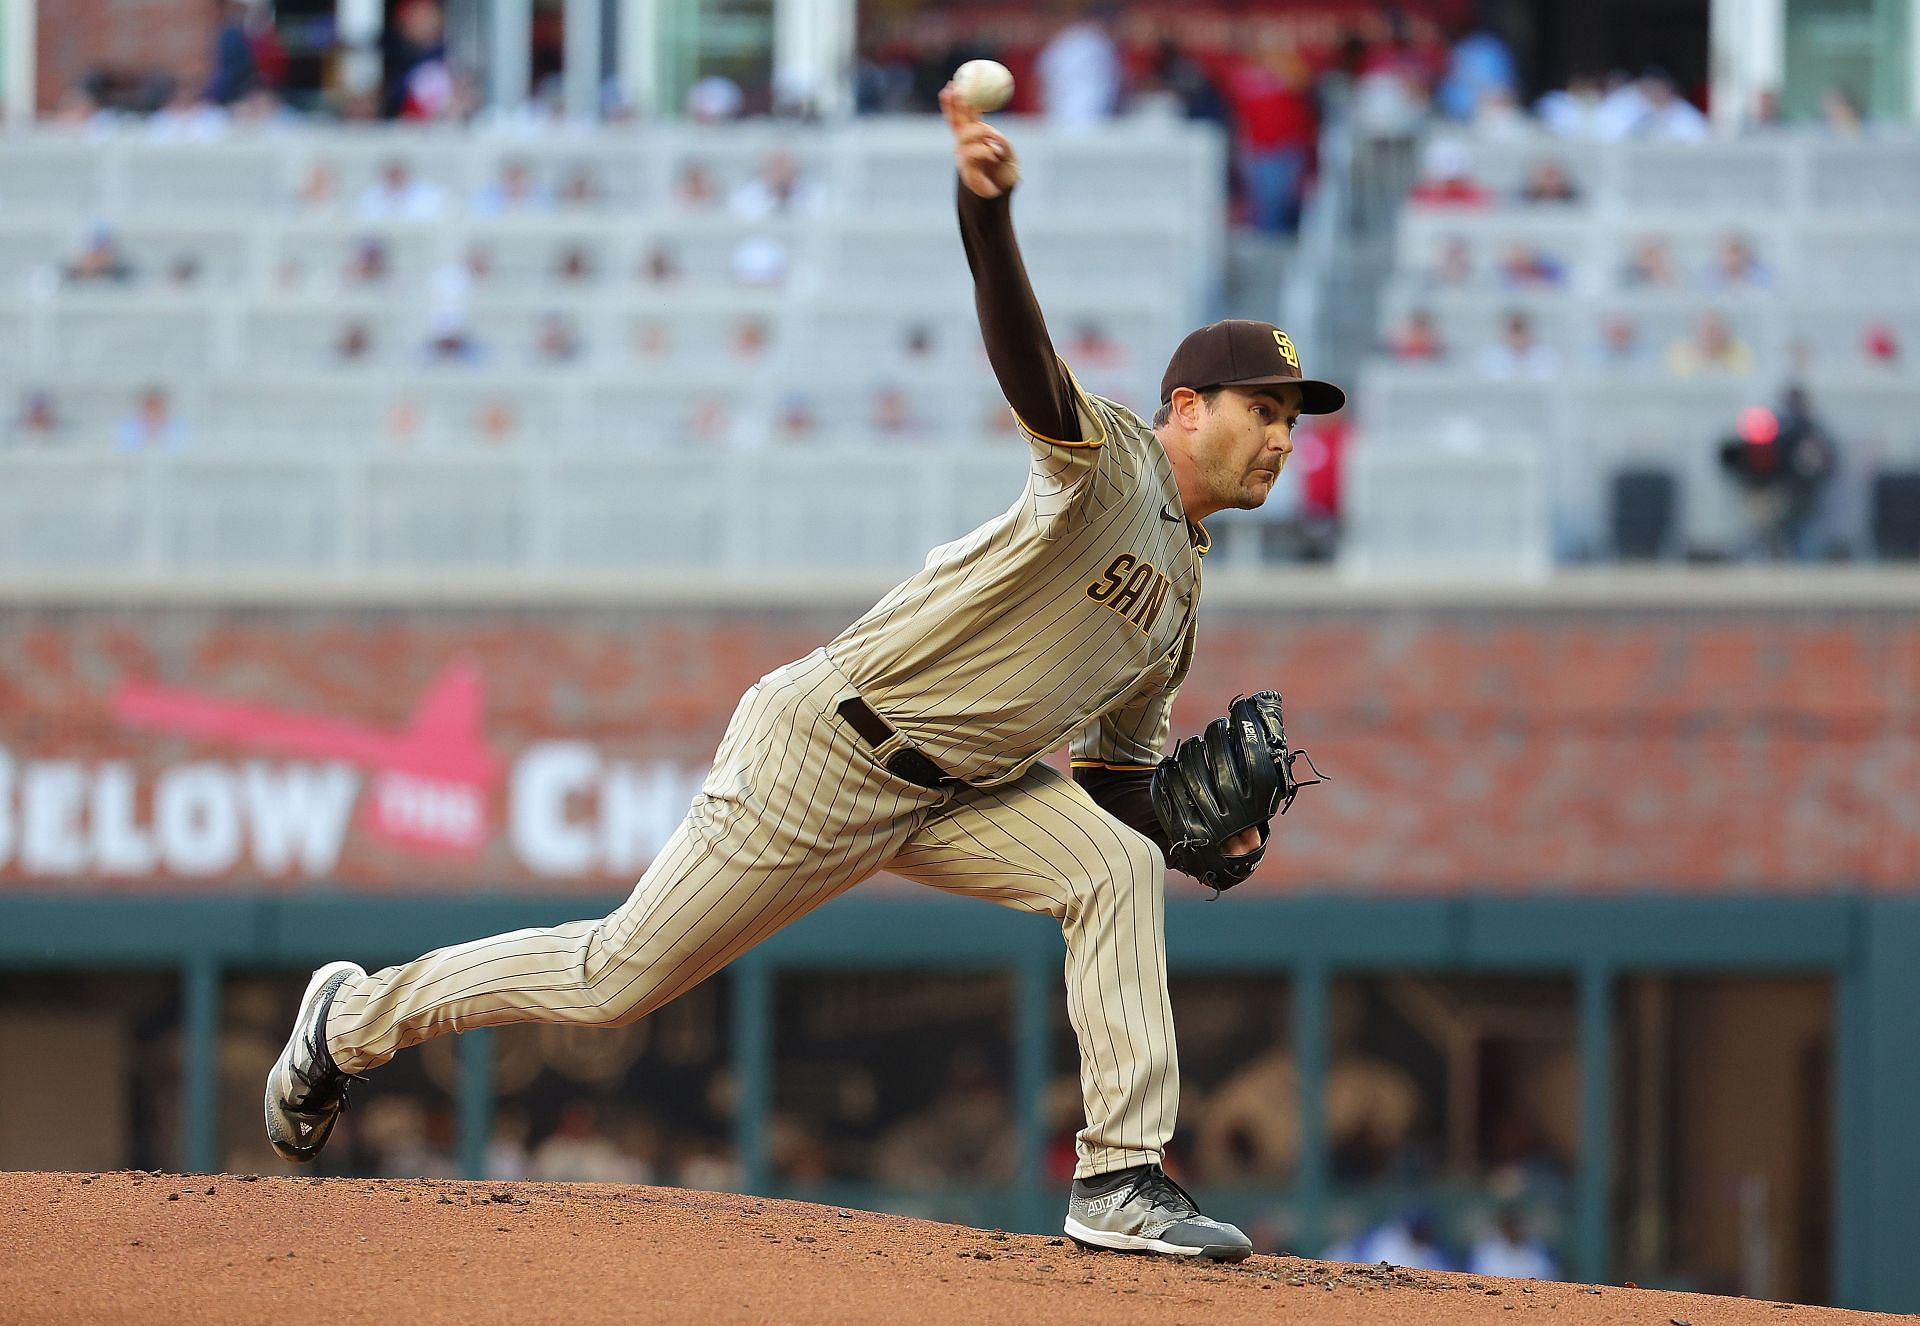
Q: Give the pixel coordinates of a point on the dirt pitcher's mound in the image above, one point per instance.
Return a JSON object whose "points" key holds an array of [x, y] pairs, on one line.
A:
{"points": [[206, 1249]]}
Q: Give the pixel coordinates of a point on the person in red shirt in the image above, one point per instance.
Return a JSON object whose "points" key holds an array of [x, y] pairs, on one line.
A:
{"points": [[1275, 127]]}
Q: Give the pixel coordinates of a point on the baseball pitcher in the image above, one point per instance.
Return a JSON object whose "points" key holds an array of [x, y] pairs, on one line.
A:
{"points": [[913, 743]]}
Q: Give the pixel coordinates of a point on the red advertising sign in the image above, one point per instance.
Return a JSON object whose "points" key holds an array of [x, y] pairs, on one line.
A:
{"points": [[526, 749]]}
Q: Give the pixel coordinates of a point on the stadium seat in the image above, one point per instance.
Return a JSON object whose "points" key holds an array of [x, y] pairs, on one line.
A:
{"points": [[1895, 518], [1644, 514]]}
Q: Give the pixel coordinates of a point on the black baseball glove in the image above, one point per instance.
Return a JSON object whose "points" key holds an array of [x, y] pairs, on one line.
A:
{"points": [[1236, 775]]}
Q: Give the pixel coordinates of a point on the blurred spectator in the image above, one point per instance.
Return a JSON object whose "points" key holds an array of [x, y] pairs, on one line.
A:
{"points": [[37, 423], [419, 82], [1810, 460], [1275, 127], [1620, 344], [1839, 113], [100, 260], [354, 345], [1508, 1250], [1407, 1240], [1667, 116], [577, 1152], [368, 264], [694, 188], [796, 1151], [152, 426], [1547, 181], [235, 70], [556, 341], [778, 189], [661, 265], [1417, 341], [451, 341], [707, 1166], [319, 187], [1455, 265], [1527, 267], [1575, 110], [409, 1139], [496, 421], [710, 420], [748, 343], [1713, 348], [1079, 72], [1480, 67], [183, 271], [965, 1136], [1445, 178], [651, 340], [581, 189], [891, 414], [714, 99], [185, 118], [507, 1158], [1736, 266], [796, 420], [1318, 453], [1651, 266], [1500, 117], [450, 338], [1879, 346], [573, 265], [514, 194], [1517, 354], [1390, 95], [398, 196], [1091, 348], [916, 345], [883, 82], [405, 422], [1183, 81], [759, 261]]}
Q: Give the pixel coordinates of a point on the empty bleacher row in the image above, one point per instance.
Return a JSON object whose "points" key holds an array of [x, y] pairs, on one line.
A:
{"points": [[640, 288], [1565, 343]]}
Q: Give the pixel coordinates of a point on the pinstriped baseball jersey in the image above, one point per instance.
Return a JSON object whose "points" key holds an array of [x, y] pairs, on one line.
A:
{"points": [[1072, 615]]}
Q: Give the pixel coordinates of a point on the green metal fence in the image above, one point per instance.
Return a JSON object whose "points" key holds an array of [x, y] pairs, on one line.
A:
{"points": [[1868, 945]]}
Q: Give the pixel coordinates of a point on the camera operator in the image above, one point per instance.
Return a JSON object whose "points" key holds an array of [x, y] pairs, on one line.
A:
{"points": [[1783, 462]]}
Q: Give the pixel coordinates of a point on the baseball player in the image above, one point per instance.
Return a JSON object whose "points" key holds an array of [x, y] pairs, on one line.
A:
{"points": [[912, 743]]}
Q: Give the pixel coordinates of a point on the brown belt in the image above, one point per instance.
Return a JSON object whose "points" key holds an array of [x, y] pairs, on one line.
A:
{"points": [[907, 762]]}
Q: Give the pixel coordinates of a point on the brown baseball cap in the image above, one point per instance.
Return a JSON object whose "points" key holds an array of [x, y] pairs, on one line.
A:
{"points": [[1238, 352]]}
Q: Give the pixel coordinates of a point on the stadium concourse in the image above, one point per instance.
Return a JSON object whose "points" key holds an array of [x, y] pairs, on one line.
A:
{"points": [[113, 1248]]}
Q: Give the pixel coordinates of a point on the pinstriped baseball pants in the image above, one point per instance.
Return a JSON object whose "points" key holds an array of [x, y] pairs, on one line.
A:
{"points": [[797, 810]]}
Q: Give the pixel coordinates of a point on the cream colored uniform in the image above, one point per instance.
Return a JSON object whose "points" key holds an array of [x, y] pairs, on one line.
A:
{"points": [[1069, 617]]}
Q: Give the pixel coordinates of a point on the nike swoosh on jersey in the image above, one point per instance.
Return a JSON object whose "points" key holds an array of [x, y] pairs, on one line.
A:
{"points": [[1168, 513]]}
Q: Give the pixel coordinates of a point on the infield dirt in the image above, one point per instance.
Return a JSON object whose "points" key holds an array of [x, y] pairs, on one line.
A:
{"points": [[210, 1249]]}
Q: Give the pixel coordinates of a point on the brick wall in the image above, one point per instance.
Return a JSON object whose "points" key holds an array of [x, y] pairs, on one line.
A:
{"points": [[139, 36], [1588, 750]]}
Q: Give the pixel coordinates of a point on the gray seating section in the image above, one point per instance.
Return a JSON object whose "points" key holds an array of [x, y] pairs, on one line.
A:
{"points": [[1836, 307]]}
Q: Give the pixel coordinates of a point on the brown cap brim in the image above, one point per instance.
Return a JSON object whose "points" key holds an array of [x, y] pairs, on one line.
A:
{"points": [[1316, 397]]}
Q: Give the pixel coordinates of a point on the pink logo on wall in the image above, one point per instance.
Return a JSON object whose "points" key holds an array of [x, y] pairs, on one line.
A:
{"points": [[431, 777]]}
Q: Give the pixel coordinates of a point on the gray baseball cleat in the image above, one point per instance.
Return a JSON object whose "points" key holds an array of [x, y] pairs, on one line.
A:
{"points": [[305, 1089], [1142, 1210]]}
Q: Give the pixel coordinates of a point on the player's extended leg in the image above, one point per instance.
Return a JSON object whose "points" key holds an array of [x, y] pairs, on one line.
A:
{"points": [[794, 813], [1041, 844]]}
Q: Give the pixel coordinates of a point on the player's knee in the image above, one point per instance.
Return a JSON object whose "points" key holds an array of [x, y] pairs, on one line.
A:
{"points": [[1133, 866], [1145, 867]]}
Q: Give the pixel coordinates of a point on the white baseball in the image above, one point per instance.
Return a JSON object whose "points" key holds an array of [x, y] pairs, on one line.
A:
{"points": [[985, 85]]}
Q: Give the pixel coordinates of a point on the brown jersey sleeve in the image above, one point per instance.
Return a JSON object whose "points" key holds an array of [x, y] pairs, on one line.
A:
{"points": [[1032, 378]]}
